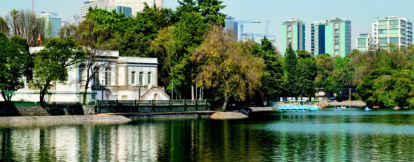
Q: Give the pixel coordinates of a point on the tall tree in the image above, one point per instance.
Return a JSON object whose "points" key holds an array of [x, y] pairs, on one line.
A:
{"points": [[160, 17], [306, 73], [51, 63], [210, 9], [291, 62], [13, 64], [272, 81], [226, 67], [4, 27], [24, 24]]}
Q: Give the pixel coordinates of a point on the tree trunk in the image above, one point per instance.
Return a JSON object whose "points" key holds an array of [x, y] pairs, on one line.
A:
{"points": [[192, 92], [4, 96], [43, 92], [226, 101], [86, 90]]}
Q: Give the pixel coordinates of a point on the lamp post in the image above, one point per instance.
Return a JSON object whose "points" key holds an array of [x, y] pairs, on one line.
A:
{"points": [[139, 92], [172, 91], [102, 89]]}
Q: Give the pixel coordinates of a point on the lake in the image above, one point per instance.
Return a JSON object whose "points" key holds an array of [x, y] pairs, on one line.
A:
{"points": [[326, 135]]}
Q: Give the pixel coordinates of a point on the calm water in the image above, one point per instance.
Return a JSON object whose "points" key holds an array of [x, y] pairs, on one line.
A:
{"points": [[328, 135]]}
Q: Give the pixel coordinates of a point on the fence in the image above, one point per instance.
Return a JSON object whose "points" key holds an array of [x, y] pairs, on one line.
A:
{"points": [[123, 106]]}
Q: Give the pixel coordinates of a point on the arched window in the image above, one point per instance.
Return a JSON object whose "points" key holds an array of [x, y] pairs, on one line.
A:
{"points": [[80, 72], [96, 79], [108, 76]]}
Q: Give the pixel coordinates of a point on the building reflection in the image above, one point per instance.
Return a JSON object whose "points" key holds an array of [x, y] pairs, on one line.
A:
{"points": [[330, 138]]}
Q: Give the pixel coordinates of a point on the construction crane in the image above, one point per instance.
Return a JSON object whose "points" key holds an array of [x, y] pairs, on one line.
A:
{"points": [[241, 23], [253, 35], [267, 27]]}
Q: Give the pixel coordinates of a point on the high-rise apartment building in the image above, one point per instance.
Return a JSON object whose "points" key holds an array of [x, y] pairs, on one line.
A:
{"points": [[232, 26], [135, 5], [364, 42], [53, 21], [293, 32], [318, 37], [338, 37], [395, 30]]}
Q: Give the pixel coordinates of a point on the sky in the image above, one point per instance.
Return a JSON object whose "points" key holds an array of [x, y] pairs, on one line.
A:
{"points": [[361, 13]]}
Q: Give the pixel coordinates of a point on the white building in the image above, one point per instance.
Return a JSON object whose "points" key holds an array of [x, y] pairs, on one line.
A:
{"points": [[135, 5], [365, 42], [121, 80], [393, 29]]}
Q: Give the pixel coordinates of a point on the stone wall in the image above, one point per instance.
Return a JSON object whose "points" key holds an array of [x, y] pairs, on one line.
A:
{"points": [[63, 119], [48, 110]]}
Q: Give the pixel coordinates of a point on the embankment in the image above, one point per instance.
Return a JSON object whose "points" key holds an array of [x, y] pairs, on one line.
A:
{"points": [[64, 119]]}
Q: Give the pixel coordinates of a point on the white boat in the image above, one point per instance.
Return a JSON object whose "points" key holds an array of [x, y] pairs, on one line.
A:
{"points": [[343, 107]]}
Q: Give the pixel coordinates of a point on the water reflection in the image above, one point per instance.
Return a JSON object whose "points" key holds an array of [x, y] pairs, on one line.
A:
{"points": [[350, 135]]}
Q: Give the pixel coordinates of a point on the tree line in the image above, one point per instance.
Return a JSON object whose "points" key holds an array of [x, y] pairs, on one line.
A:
{"points": [[197, 55]]}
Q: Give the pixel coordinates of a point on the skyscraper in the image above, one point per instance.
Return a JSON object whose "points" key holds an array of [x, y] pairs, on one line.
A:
{"points": [[232, 26], [338, 37], [318, 37], [53, 21], [135, 5], [293, 32], [364, 42], [395, 30]]}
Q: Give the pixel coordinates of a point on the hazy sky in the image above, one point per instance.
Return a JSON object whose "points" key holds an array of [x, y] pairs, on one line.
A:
{"points": [[362, 13]]}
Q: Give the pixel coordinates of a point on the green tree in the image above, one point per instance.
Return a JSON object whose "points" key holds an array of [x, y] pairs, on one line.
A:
{"points": [[305, 74], [160, 17], [290, 67], [272, 81], [51, 63], [4, 27], [226, 67], [186, 6], [14, 63], [210, 9]]}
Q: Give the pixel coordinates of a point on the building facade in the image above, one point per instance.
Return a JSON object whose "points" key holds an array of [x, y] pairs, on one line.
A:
{"points": [[232, 26], [119, 9], [393, 29], [123, 78], [53, 21], [293, 32], [364, 42], [318, 38], [338, 37], [135, 5]]}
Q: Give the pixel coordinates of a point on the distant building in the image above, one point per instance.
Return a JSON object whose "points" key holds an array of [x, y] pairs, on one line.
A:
{"points": [[293, 32], [318, 37], [135, 5], [395, 30], [119, 9], [338, 37], [233, 26], [364, 42], [51, 20]]}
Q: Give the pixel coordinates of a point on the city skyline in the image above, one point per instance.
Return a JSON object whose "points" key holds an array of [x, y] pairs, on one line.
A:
{"points": [[275, 11]]}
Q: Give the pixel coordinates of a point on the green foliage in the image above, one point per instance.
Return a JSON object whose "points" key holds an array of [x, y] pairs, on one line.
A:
{"points": [[305, 74], [14, 62], [210, 9], [227, 67], [4, 27], [290, 66], [272, 81], [388, 88], [51, 63]]}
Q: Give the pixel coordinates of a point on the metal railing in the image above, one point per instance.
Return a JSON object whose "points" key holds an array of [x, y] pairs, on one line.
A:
{"points": [[125, 106]]}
